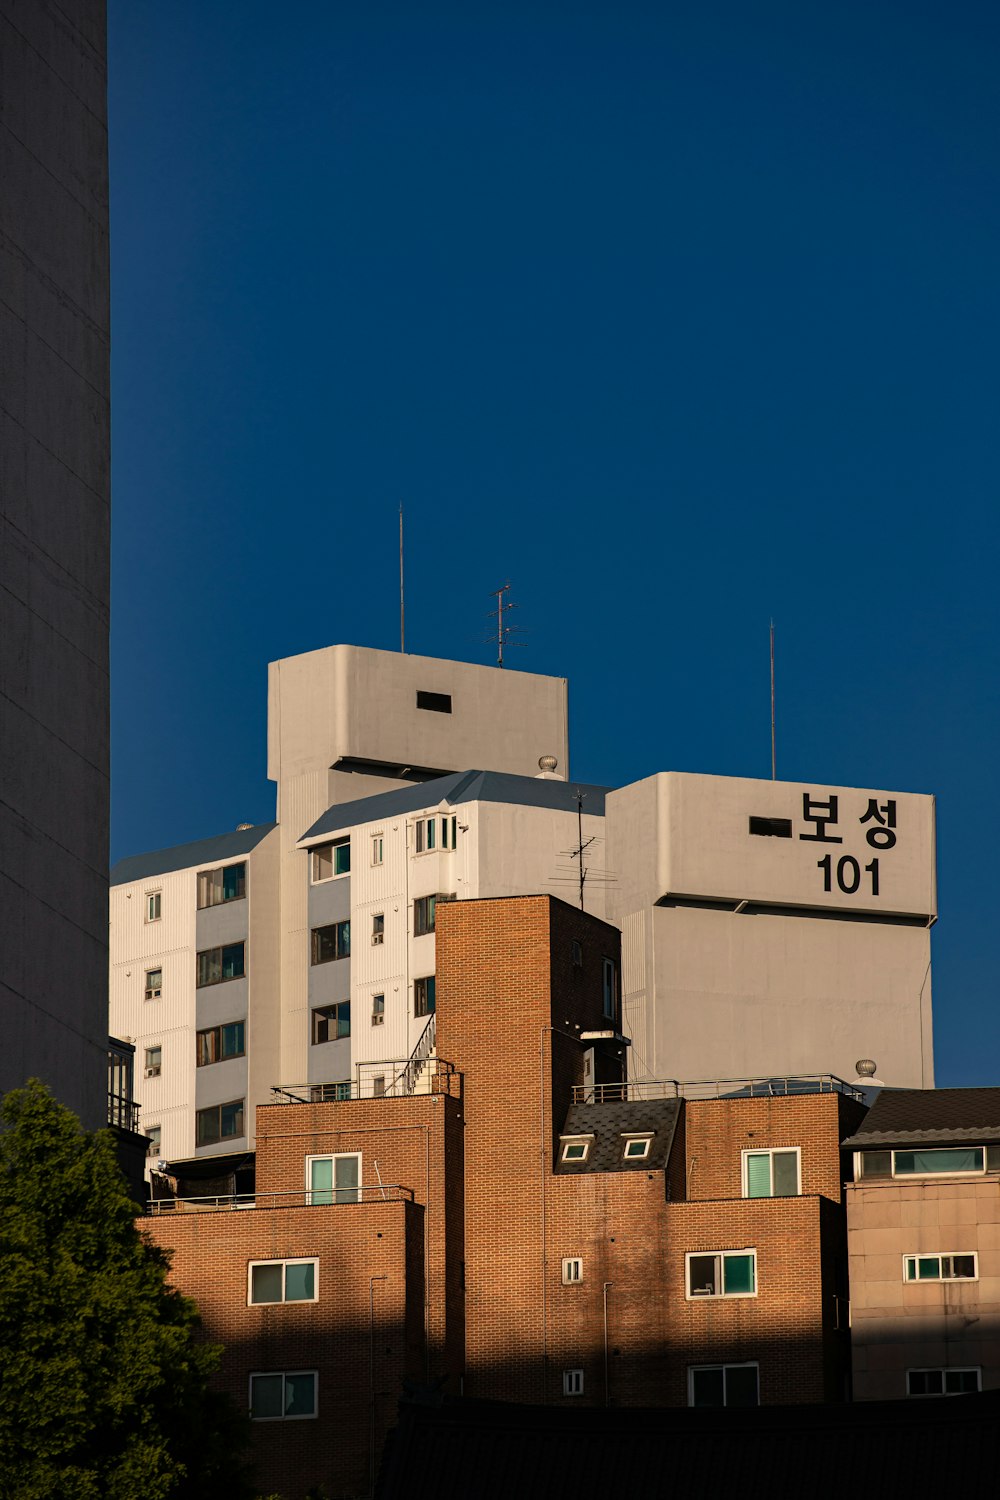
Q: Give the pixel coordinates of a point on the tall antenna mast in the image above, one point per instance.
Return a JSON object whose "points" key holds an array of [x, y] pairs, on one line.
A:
{"points": [[504, 632], [774, 761], [402, 632]]}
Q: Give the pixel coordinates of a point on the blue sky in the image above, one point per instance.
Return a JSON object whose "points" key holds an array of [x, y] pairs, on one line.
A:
{"points": [[680, 317]]}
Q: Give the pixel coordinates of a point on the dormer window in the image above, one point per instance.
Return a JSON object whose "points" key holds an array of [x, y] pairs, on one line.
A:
{"points": [[575, 1148], [636, 1147]]}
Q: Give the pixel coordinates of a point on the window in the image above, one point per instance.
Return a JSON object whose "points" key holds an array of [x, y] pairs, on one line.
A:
{"points": [[378, 848], [945, 1159], [227, 883], [221, 1122], [378, 1086], [957, 1382], [329, 1093], [724, 1385], [330, 860], [725, 1273], [378, 1010], [424, 996], [939, 1268], [572, 1270], [774, 828], [334, 1179], [378, 929], [283, 1396], [424, 909], [331, 942], [575, 1147], [282, 1281], [610, 988], [437, 703], [331, 1022], [216, 965], [154, 1060], [153, 1132], [434, 833], [772, 1174], [636, 1147], [577, 951], [572, 1382], [154, 984], [154, 905], [220, 1042]]}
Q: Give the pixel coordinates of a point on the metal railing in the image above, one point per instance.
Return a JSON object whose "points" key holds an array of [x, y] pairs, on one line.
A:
{"points": [[123, 1113], [420, 1056], [719, 1088], [392, 1079], [382, 1192]]}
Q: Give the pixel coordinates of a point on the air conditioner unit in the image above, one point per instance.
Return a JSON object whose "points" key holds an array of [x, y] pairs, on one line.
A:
{"points": [[152, 1073], [377, 1020], [377, 938]]}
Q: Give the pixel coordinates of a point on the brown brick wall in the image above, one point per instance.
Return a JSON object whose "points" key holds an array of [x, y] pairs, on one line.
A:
{"points": [[508, 992], [211, 1253], [718, 1131]]}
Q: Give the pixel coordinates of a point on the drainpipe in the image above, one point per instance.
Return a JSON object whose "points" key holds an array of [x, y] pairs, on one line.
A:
{"points": [[371, 1380], [607, 1387]]}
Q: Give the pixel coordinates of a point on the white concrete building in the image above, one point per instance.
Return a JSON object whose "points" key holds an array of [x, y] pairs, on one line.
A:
{"points": [[773, 927], [769, 928]]}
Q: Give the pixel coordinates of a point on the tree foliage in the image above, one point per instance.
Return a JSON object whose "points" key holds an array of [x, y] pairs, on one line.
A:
{"points": [[104, 1390]]}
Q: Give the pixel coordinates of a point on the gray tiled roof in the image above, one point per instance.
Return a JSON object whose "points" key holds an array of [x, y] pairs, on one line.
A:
{"points": [[607, 1123], [903, 1116], [184, 856], [459, 787]]}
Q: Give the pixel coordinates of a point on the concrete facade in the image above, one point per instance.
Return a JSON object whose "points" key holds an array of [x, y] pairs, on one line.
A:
{"points": [[54, 549], [763, 935]]}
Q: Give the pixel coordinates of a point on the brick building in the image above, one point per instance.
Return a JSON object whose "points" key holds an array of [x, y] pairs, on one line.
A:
{"points": [[923, 1219], [527, 1229]]}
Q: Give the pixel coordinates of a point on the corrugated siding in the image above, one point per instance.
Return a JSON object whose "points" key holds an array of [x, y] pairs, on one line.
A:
{"points": [[379, 969]]}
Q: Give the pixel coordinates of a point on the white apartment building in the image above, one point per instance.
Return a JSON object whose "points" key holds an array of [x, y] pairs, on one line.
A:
{"points": [[769, 928], [377, 869], [194, 984], [773, 927]]}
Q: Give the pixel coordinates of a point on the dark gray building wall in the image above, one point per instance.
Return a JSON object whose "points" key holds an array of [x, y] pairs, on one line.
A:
{"points": [[54, 549], [329, 1062]]}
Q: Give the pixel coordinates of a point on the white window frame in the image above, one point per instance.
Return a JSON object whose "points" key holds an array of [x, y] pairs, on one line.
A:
{"points": [[378, 934], [153, 1070], [636, 1138], [378, 1017], [934, 1176], [152, 991], [770, 1151], [572, 1270], [735, 1364], [297, 1260], [575, 1140], [378, 848], [572, 1382], [722, 1255], [944, 1371], [940, 1256], [305, 1416], [154, 1147], [331, 844], [154, 906], [332, 1156]]}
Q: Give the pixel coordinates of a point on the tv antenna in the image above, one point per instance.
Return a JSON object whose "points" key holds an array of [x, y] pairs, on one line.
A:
{"points": [[774, 760], [402, 634], [504, 632]]}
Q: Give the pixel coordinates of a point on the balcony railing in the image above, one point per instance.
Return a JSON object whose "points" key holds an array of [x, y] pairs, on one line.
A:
{"points": [[719, 1088], [382, 1192], [396, 1079]]}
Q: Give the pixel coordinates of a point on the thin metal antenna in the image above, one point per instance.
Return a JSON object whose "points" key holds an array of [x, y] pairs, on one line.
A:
{"points": [[774, 761], [504, 632], [402, 632], [581, 846]]}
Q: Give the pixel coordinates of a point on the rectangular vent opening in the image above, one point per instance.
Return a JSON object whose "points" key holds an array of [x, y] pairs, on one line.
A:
{"points": [[773, 828], [438, 703]]}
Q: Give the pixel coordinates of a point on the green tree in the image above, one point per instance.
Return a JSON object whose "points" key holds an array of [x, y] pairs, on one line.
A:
{"points": [[104, 1390]]}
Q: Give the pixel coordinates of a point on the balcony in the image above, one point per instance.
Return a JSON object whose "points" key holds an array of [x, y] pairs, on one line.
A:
{"points": [[382, 1192], [123, 1111], [719, 1088]]}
